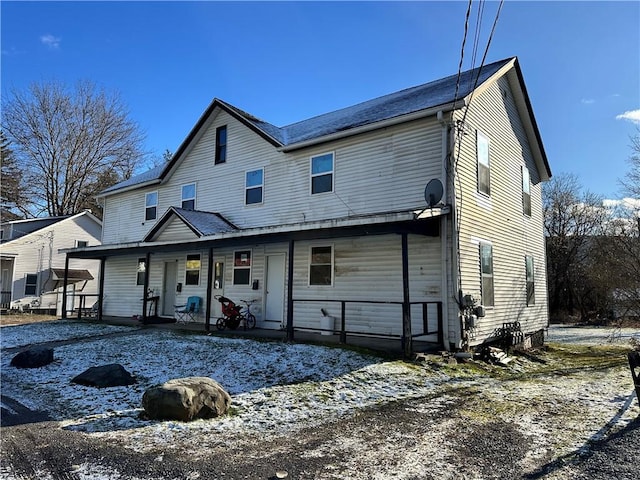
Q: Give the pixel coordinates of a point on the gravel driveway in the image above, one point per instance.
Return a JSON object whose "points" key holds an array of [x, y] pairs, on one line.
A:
{"points": [[561, 414]]}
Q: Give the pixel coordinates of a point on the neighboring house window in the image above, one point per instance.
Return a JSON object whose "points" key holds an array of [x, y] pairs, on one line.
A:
{"points": [[30, 283], [484, 173], [486, 273], [321, 266], [189, 196], [254, 181], [242, 267], [531, 283], [81, 243], [221, 144], [192, 275], [141, 271], [151, 206], [322, 173], [526, 191]]}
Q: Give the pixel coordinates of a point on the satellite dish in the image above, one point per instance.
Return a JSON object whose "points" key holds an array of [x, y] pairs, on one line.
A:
{"points": [[433, 192]]}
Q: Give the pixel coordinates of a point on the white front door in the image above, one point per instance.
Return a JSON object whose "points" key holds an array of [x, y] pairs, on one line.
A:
{"points": [[169, 288], [274, 288]]}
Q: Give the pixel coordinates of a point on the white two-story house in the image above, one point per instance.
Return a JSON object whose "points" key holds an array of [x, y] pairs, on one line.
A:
{"points": [[416, 215]]}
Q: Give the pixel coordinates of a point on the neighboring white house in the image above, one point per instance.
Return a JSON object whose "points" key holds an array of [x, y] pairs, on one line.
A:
{"points": [[32, 268], [331, 213]]}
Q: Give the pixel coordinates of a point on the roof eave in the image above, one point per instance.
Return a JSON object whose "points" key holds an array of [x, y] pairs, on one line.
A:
{"points": [[429, 112]]}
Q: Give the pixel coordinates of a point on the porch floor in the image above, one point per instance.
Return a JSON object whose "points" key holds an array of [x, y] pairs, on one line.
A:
{"points": [[389, 346]]}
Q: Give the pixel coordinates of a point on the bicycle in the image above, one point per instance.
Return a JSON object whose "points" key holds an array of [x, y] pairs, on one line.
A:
{"points": [[234, 315]]}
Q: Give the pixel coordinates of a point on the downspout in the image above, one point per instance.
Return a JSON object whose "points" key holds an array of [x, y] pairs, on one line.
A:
{"points": [[444, 284]]}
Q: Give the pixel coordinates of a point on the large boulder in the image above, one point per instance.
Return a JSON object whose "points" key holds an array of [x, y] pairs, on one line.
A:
{"points": [[33, 358], [186, 399], [112, 375]]}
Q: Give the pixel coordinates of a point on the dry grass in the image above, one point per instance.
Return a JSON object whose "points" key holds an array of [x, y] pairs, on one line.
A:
{"points": [[24, 318]]}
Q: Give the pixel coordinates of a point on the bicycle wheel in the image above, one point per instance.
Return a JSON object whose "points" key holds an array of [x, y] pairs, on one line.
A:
{"points": [[220, 323], [251, 321]]}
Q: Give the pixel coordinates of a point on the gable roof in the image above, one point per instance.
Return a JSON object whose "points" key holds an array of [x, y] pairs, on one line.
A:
{"points": [[201, 223], [444, 94], [31, 226]]}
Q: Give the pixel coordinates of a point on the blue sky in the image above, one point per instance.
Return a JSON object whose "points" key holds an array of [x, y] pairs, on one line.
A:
{"points": [[288, 61]]}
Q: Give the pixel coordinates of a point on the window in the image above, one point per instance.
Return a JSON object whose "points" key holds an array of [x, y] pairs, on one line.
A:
{"points": [[531, 283], [526, 191], [141, 271], [81, 243], [486, 273], [221, 145], [189, 196], [484, 173], [192, 274], [321, 266], [322, 173], [254, 181], [151, 206], [30, 283], [242, 267]]}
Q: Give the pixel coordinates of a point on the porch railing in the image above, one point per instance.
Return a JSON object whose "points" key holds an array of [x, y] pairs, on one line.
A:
{"points": [[5, 299]]}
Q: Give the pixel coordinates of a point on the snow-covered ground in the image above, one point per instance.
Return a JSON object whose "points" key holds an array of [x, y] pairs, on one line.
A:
{"points": [[278, 388]]}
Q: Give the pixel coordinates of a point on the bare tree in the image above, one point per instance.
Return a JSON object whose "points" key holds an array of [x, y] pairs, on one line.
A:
{"points": [[631, 182], [71, 143], [573, 219], [13, 188]]}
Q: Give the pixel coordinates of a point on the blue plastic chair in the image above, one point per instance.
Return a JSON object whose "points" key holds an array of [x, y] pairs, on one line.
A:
{"points": [[187, 313]]}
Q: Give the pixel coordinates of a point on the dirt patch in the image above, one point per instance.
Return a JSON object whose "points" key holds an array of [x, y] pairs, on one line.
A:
{"points": [[24, 318]]}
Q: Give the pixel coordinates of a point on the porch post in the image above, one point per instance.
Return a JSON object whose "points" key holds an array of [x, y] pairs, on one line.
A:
{"points": [[290, 293], [103, 261], [147, 260], [407, 339], [207, 321], [64, 286]]}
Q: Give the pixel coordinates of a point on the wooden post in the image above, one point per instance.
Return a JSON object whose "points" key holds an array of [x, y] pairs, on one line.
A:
{"points": [[407, 339], [290, 293], [207, 321], [64, 286], [103, 262], [343, 326]]}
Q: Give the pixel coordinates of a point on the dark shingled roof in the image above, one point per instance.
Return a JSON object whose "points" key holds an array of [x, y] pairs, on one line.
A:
{"points": [[201, 223], [404, 102]]}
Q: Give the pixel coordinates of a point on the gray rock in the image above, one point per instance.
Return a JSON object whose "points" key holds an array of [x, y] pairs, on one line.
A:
{"points": [[33, 358], [186, 399], [112, 375]]}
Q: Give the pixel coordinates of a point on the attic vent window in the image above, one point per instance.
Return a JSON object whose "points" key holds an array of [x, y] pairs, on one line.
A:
{"points": [[221, 145]]}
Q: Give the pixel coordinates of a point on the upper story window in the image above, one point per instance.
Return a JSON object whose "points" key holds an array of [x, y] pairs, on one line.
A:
{"points": [[189, 196], [322, 173], [192, 274], [486, 273], [254, 182], [321, 265], [242, 267], [531, 283], [81, 243], [221, 144], [30, 283], [484, 171], [526, 191], [141, 271], [151, 206]]}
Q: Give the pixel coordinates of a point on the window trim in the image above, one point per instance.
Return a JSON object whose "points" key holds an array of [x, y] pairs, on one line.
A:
{"points": [[314, 175], [183, 199], [140, 278], [32, 285], [484, 275], [530, 280], [311, 264], [254, 187], [221, 147], [242, 267], [85, 242], [526, 191], [481, 139], [147, 206], [187, 269]]}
